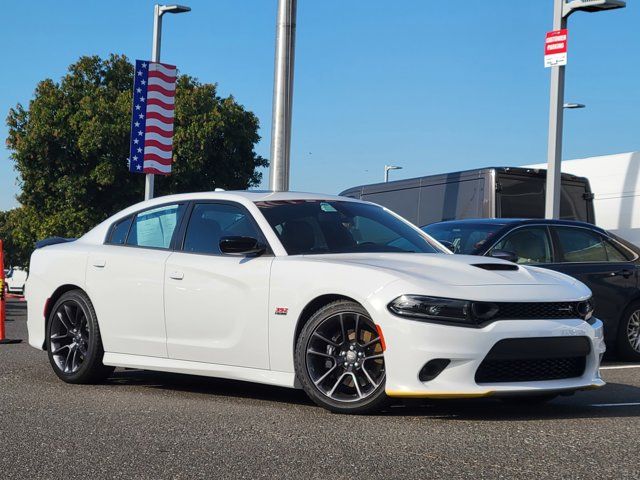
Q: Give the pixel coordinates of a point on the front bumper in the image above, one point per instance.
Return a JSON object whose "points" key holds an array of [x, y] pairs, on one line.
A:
{"points": [[411, 344]]}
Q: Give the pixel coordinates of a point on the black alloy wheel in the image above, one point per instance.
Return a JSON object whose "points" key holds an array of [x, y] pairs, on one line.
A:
{"points": [[340, 359], [73, 340]]}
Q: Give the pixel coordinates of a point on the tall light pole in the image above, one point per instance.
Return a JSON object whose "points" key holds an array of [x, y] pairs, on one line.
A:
{"points": [[386, 171], [561, 11], [158, 11], [282, 95]]}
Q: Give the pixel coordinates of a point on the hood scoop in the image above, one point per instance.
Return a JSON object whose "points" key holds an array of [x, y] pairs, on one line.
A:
{"points": [[497, 266]]}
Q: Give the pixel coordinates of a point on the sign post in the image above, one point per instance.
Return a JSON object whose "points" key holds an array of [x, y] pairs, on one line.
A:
{"points": [[555, 57], [3, 299]]}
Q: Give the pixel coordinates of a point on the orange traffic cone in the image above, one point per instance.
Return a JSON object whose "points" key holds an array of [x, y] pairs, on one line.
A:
{"points": [[3, 310]]}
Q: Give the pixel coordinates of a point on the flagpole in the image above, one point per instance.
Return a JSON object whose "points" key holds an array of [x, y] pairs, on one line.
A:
{"points": [[149, 180]]}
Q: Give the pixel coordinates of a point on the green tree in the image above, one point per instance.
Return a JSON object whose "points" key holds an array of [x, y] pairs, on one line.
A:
{"points": [[15, 231], [70, 148]]}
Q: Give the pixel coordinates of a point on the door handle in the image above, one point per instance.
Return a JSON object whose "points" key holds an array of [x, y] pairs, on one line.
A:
{"points": [[175, 275], [99, 263], [624, 273]]}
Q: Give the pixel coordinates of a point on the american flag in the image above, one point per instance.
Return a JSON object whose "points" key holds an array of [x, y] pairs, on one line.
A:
{"points": [[154, 91]]}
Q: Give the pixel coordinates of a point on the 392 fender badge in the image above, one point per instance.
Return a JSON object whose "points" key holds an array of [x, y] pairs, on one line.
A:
{"points": [[282, 310]]}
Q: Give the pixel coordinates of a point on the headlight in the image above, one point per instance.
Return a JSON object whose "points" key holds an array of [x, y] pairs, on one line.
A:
{"points": [[433, 308], [478, 313]]}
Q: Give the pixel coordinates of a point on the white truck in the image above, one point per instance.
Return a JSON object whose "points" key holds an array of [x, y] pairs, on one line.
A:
{"points": [[615, 183]]}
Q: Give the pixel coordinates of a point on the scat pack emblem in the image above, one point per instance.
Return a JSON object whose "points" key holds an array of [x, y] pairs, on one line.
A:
{"points": [[282, 310]]}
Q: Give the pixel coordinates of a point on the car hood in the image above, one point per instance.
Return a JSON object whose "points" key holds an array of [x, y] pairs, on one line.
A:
{"points": [[455, 270]]}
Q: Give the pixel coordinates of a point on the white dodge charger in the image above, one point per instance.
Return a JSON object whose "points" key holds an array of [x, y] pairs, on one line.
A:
{"points": [[339, 297]]}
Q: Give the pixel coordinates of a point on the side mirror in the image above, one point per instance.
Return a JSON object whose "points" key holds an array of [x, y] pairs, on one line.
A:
{"points": [[449, 245], [504, 255], [241, 246]]}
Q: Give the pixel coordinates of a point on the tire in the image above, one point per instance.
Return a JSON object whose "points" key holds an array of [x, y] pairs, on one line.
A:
{"points": [[628, 339], [73, 340], [529, 399], [339, 360]]}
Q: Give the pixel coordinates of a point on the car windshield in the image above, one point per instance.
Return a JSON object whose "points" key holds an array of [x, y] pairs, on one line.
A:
{"points": [[465, 237], [315, 227]]}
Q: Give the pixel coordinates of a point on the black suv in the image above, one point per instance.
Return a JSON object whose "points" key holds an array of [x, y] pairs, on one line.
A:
{"points": [[607, 264]]}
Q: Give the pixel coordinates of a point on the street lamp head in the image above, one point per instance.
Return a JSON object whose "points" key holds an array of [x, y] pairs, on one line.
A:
{"points": [[174, 9], [571, 106], [591, 6], [386, 171]]}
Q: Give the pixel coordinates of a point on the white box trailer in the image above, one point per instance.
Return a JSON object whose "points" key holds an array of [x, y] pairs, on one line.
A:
{"points": [[492, 192], [615, 183]]}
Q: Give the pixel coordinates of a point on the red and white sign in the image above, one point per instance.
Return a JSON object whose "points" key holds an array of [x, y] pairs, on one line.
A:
{"points": [[555, 48]]}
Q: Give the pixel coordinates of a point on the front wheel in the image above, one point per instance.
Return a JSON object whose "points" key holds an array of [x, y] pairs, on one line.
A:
{"points": [[73, 340], [339, 359], [629, 334]]}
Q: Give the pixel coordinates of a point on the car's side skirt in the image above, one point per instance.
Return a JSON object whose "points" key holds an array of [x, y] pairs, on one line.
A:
{"points": [[269, 377]]}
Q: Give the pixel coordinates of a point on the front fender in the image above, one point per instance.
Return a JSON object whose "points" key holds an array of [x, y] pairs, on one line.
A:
{"points": [[296, 282]]}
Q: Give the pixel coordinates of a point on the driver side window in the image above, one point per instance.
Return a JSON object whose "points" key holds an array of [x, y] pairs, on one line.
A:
{"points": [[210, 222], [530, 244]]}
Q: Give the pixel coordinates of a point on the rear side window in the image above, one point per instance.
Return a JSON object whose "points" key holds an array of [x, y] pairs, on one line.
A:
{"points": [[616, 253], [210, 222], [155, 228], [613, 254], [581, 245], [119, 231]]}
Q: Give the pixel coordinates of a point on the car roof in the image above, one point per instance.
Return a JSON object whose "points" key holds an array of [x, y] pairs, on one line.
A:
{"points": [[251, 195], [97, 234], [240, 196], [512, 222]]}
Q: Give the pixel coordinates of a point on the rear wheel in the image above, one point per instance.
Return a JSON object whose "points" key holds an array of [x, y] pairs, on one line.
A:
{"points": [[73, 340], [339, 359], [628, 341]]}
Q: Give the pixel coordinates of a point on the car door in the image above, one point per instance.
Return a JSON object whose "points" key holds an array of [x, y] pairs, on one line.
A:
{"points": [[125, 281], [216, 305], [602, 265]]}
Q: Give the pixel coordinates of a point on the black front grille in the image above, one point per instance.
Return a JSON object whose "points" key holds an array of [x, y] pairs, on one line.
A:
{"points": [[536, 310], [534, 370], [534, 360]]}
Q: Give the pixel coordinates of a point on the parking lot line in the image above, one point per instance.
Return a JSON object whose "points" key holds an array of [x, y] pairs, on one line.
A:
{"points": [[620, 367], [628, 404]]}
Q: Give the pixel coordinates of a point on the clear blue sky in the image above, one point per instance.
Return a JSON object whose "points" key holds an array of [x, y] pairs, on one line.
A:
{"points": [[432, 86]]}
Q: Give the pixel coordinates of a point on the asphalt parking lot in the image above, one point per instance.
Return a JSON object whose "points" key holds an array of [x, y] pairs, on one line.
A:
{"points": [[152, 425]]}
